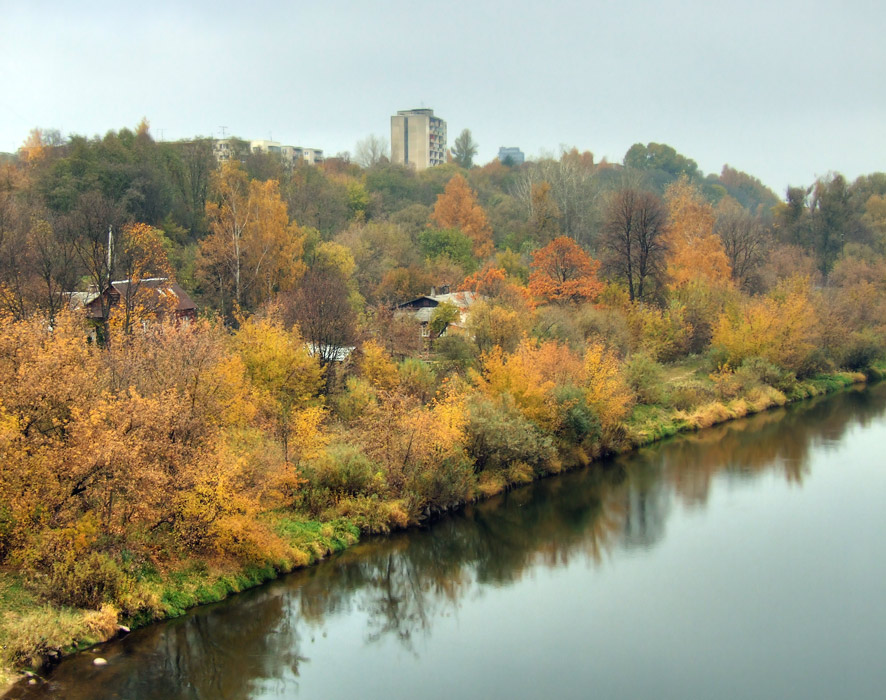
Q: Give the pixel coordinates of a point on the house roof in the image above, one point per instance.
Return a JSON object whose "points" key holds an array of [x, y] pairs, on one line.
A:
{"points": [[161, 286], [463, 300], [423, 312]]}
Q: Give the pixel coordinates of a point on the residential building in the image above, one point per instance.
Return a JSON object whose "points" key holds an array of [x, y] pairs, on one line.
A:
{"points": [[289, 154], [155, 296], [229, 149], [418, 138], [237, 149], [422, 308], [511, 155]]}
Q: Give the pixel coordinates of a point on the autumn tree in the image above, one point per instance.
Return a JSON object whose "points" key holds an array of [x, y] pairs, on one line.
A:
{"points": [[16, 266], [606, 389], [832, 219], [287, 380], [253, 251], [544, 218], [695, 252], [634, 243], [575, 189], [321, 307], [372, 151], [562, 272], [781, 327], [91, 227], [457, 208], [191, 164], [141, 256], [492, 325], [661, 157]]}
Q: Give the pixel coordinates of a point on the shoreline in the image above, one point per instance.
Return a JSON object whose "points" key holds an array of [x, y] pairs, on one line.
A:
{"points": [[331, 539]]}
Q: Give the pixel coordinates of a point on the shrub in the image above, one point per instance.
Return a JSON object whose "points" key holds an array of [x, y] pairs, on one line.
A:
{"points": [[604, 324], [431, 487], [759, 370], [344, 470], [578, 423], [88, 581], [31, 635], [498, 436], [689, 394], [646, 378], [862, 349], [369, 514], [351, 403], [7, 531], [455, 353], [417, 378]]}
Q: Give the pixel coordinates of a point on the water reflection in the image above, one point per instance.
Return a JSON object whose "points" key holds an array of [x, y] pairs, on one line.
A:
{"points": [[397, 588]]}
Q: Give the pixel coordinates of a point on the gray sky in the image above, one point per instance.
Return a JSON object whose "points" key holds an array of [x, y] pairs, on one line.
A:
{"points": [[784, 90]]}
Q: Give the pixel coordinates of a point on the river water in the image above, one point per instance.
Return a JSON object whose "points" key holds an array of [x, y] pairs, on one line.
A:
{"points": [[745, 561]]}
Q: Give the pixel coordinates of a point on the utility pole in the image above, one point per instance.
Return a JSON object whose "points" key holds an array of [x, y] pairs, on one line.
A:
{"points": [[110, 255], [224, 130]]}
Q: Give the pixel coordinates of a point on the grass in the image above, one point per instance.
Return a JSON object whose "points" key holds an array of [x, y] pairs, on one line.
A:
{"points": [[30, 629]]}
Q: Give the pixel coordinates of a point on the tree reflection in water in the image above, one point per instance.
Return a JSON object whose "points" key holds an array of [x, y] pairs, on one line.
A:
{"points": [[253, 644]]}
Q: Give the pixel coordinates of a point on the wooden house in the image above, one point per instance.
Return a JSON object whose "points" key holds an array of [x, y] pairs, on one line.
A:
{"points": [[422, 308], [155, 296]]}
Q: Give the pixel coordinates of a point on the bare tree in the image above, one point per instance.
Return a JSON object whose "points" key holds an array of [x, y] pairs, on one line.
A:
{"points": [[633, 244], [371, 151], [574, 188], [91, 227], [321, 308], [744, 240]]}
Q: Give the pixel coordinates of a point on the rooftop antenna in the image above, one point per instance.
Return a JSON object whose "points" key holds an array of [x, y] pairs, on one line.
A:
{"points": [[223, 130]]}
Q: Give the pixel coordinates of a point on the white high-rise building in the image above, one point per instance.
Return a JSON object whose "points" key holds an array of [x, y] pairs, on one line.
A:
{"points": [[418, 138]]}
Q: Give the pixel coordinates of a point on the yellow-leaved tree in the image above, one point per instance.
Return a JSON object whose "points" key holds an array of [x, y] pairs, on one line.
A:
{"points": [[607, 391], [287, 381], [143, 265], [781, 327], [253, 250]]}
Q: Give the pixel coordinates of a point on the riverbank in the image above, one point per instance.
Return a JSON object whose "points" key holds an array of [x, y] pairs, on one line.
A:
{"points": [[32, 631]]}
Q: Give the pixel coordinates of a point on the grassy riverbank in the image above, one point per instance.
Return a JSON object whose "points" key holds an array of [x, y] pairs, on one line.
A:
{"points": [[33, 631]]}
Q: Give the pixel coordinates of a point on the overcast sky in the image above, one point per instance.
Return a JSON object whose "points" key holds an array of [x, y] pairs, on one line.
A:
{"points": [[784, 90]]}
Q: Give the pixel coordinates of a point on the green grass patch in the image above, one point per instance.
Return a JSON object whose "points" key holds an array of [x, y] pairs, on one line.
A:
{"points": [[650, 423], [316, 538]]}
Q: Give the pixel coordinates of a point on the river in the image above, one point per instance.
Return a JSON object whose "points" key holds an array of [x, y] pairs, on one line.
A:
{"points": [[745, 561]]}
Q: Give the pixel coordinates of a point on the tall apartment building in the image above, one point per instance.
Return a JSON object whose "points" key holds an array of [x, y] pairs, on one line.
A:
{"points": [[418, 138]]}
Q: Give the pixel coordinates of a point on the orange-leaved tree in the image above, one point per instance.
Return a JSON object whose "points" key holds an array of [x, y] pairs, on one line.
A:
{"points": [[562, 272], [696, 252], [457, 208]]}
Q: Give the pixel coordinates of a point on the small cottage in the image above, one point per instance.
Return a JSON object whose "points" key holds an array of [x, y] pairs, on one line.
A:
{"points": [[422, 308], [155, 296]]}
